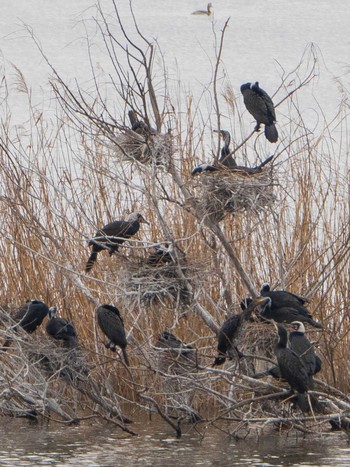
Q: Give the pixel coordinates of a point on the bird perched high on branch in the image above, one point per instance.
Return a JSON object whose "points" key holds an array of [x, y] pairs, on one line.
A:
{"points": [[112, 235], [260, 105]]}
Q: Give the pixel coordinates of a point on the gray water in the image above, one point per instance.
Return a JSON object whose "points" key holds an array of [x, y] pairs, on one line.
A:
{"points": [[23, 443]]}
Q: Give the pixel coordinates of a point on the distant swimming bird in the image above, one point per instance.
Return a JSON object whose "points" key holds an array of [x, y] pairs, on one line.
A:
{"points": [[260, 105], [61, 329], [29, 317], [292, 368], [112, 326], [207, 12], [231, 331], [226, 158], [112, 235]]}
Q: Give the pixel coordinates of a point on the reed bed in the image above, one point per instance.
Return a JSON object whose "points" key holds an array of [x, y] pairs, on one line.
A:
{"points": [[61, 182]]}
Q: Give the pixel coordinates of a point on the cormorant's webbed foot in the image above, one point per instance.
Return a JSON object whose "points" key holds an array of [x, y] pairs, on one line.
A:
{"points": [[257, 127]]}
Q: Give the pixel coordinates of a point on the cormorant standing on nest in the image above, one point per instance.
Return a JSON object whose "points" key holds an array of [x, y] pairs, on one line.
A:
{"points": [[139, 126], [260, 105], [61, 329], [29, 317], [226, 158], [112, 326], [112, 235], [206, 12], [292, 368], [167, 340], [288, 314], [159, 257], [282, 298], [239, 168], [231, 330]]}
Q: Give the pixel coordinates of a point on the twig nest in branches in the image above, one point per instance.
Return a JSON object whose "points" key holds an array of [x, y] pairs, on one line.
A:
{"points": [[156, 279], [234, 191], [146, 148]]}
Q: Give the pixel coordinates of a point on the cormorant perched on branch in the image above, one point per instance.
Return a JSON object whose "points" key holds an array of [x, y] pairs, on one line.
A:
{"points": [[303, 348], [260, 105], [112, 326], [207, 12], [292, 368], [29, 317], [226, 158], [231, 330], [61, 329], [288, 314], [112, 235]]}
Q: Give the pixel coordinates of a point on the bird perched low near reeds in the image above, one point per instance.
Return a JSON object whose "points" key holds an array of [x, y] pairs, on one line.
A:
{"points": [[29, 317], [61, 329], [112, 235], [112, 326], [230, 333], [206, 12], [293, 368], [260, 105], [225, 155]]}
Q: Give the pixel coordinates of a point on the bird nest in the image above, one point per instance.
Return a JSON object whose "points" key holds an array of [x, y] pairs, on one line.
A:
{"points": [[145, 148], [259, 339], [153, 284], [234, 191]]}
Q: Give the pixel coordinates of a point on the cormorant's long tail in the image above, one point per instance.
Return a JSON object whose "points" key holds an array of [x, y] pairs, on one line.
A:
{"points": [[126, 358], [271, 133], [91, 261]]}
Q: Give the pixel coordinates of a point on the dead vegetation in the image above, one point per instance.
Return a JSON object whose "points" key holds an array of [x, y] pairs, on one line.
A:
{"points": [[290, 226]]}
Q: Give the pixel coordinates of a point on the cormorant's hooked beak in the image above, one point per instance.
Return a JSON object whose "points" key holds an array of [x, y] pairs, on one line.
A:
{"points": [[142, 220]]}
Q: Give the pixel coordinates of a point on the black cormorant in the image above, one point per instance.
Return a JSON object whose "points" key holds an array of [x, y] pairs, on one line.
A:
{"points": [[29, 316], [288, 314], [112, 326], [168, 340], [139, 126], [239, 168], [260, 105], [230, 332], [292, 368], [302, 347], [226, 158], [282, 297], [207, 12], [61, 329], [112, 235], [159, 257]]}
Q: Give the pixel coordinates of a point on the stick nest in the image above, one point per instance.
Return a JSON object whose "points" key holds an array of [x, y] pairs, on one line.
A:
{"points": [[234, 191], [145, 148], [154, 284]]}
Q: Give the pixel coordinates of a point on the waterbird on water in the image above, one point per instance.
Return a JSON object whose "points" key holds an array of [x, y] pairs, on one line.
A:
{"points": [[206, 12]]}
